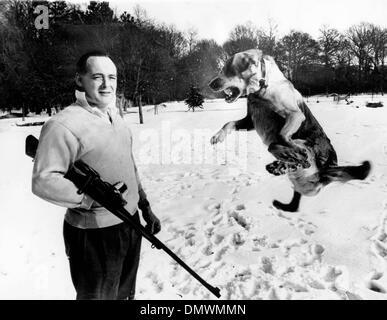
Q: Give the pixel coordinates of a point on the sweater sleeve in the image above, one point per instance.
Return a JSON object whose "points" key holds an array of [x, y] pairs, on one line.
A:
{"points": [[57, 150], [141, 191]]}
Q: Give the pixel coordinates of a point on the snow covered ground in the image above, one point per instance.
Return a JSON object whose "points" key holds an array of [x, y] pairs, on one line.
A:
{"points": [[216, 212]]}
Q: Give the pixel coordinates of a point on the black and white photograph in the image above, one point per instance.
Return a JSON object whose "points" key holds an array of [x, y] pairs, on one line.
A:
{"points": [[197, 150]]}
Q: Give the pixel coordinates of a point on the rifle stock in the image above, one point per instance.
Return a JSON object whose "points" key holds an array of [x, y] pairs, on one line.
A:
{"points": [[88, 181]]}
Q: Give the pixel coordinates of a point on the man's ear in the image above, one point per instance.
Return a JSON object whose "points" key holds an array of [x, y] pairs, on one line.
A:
{"points": [[78, 82]]}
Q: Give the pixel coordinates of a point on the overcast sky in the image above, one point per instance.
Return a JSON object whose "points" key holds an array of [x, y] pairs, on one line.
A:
{"points": [[216, 18]]}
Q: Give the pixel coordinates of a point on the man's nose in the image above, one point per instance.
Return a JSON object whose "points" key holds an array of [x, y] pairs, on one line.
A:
{"points": [[107, 82], [103, 84], [215, 84]]}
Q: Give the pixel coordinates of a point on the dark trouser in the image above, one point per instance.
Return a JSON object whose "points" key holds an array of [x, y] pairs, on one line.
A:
{"points": [[103, 262]]}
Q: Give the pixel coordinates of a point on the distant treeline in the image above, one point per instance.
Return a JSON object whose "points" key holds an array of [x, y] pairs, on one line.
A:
{"points": [[157, 62]]}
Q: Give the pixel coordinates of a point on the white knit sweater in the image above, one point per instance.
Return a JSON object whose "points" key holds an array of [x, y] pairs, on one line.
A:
{"points": [[81, 132]]}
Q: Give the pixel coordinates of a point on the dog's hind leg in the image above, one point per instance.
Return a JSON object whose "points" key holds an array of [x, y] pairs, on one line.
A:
{"points": [[290, 207], [345, 173]]}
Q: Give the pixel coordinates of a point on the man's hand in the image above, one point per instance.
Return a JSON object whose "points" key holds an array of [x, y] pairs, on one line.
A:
{"points": [[153, 224]]}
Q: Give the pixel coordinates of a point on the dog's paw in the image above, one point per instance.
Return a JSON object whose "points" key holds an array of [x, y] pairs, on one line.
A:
{"points": [[299, 153], [279, 168], [218, 137], [306, 164], [293, 167], [276, 168], [297, 158], [362, 171]]}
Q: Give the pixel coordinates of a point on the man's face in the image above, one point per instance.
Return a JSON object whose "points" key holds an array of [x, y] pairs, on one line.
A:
{"points": [[99, 82]]}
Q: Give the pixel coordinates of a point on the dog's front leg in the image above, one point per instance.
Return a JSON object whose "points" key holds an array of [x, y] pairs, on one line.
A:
{"points": [[242, 124], [221, 134]]}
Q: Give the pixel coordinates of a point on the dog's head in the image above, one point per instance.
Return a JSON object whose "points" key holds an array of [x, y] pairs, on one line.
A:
{"points": [[238, 73]]}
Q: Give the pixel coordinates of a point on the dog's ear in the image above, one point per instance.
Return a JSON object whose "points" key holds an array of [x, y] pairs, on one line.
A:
{"points": [[229, 69], [249, 58], [255, 56], [244, 62]]}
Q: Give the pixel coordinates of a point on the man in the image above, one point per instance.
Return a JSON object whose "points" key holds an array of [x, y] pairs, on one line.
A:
{"points": [[103, 251]]}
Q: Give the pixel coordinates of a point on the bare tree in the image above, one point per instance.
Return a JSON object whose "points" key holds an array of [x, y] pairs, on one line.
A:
{"points": [[247, 30], [378, 44], [242, 37], [358, 37], [192, 38], [330, 42], [173, 40], [295, 50], [268, 38], [141, 16]]}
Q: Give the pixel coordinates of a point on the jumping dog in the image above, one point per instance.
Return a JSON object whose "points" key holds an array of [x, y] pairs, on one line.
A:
{"points": [[278, 113]]}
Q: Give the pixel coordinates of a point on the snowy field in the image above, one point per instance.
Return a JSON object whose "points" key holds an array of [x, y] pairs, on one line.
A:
{"points": [[217, 212]]}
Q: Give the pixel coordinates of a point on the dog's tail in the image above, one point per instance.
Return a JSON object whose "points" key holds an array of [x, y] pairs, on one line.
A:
{"points": [[345, 173]]}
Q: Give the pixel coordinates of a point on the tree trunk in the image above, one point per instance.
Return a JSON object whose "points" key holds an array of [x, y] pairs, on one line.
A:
{"points": [[289, 69], [140, 109], [382, 74], [136, 95]]}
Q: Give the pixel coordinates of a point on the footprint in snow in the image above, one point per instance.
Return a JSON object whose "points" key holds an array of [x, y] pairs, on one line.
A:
{"points": [[241, 220], [378, 281], [281, 215], [237, 240], [190, 242], [218, 239], [215, 207], [260, 241], [209, 232], [221, 253], [267, 265], [189, 234], [235, 190], [307, 229], [207, 250], [217, 220], [158, 285]]}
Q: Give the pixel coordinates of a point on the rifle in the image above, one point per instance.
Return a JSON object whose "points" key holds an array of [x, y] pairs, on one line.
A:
{"points": [[88, 181]]}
